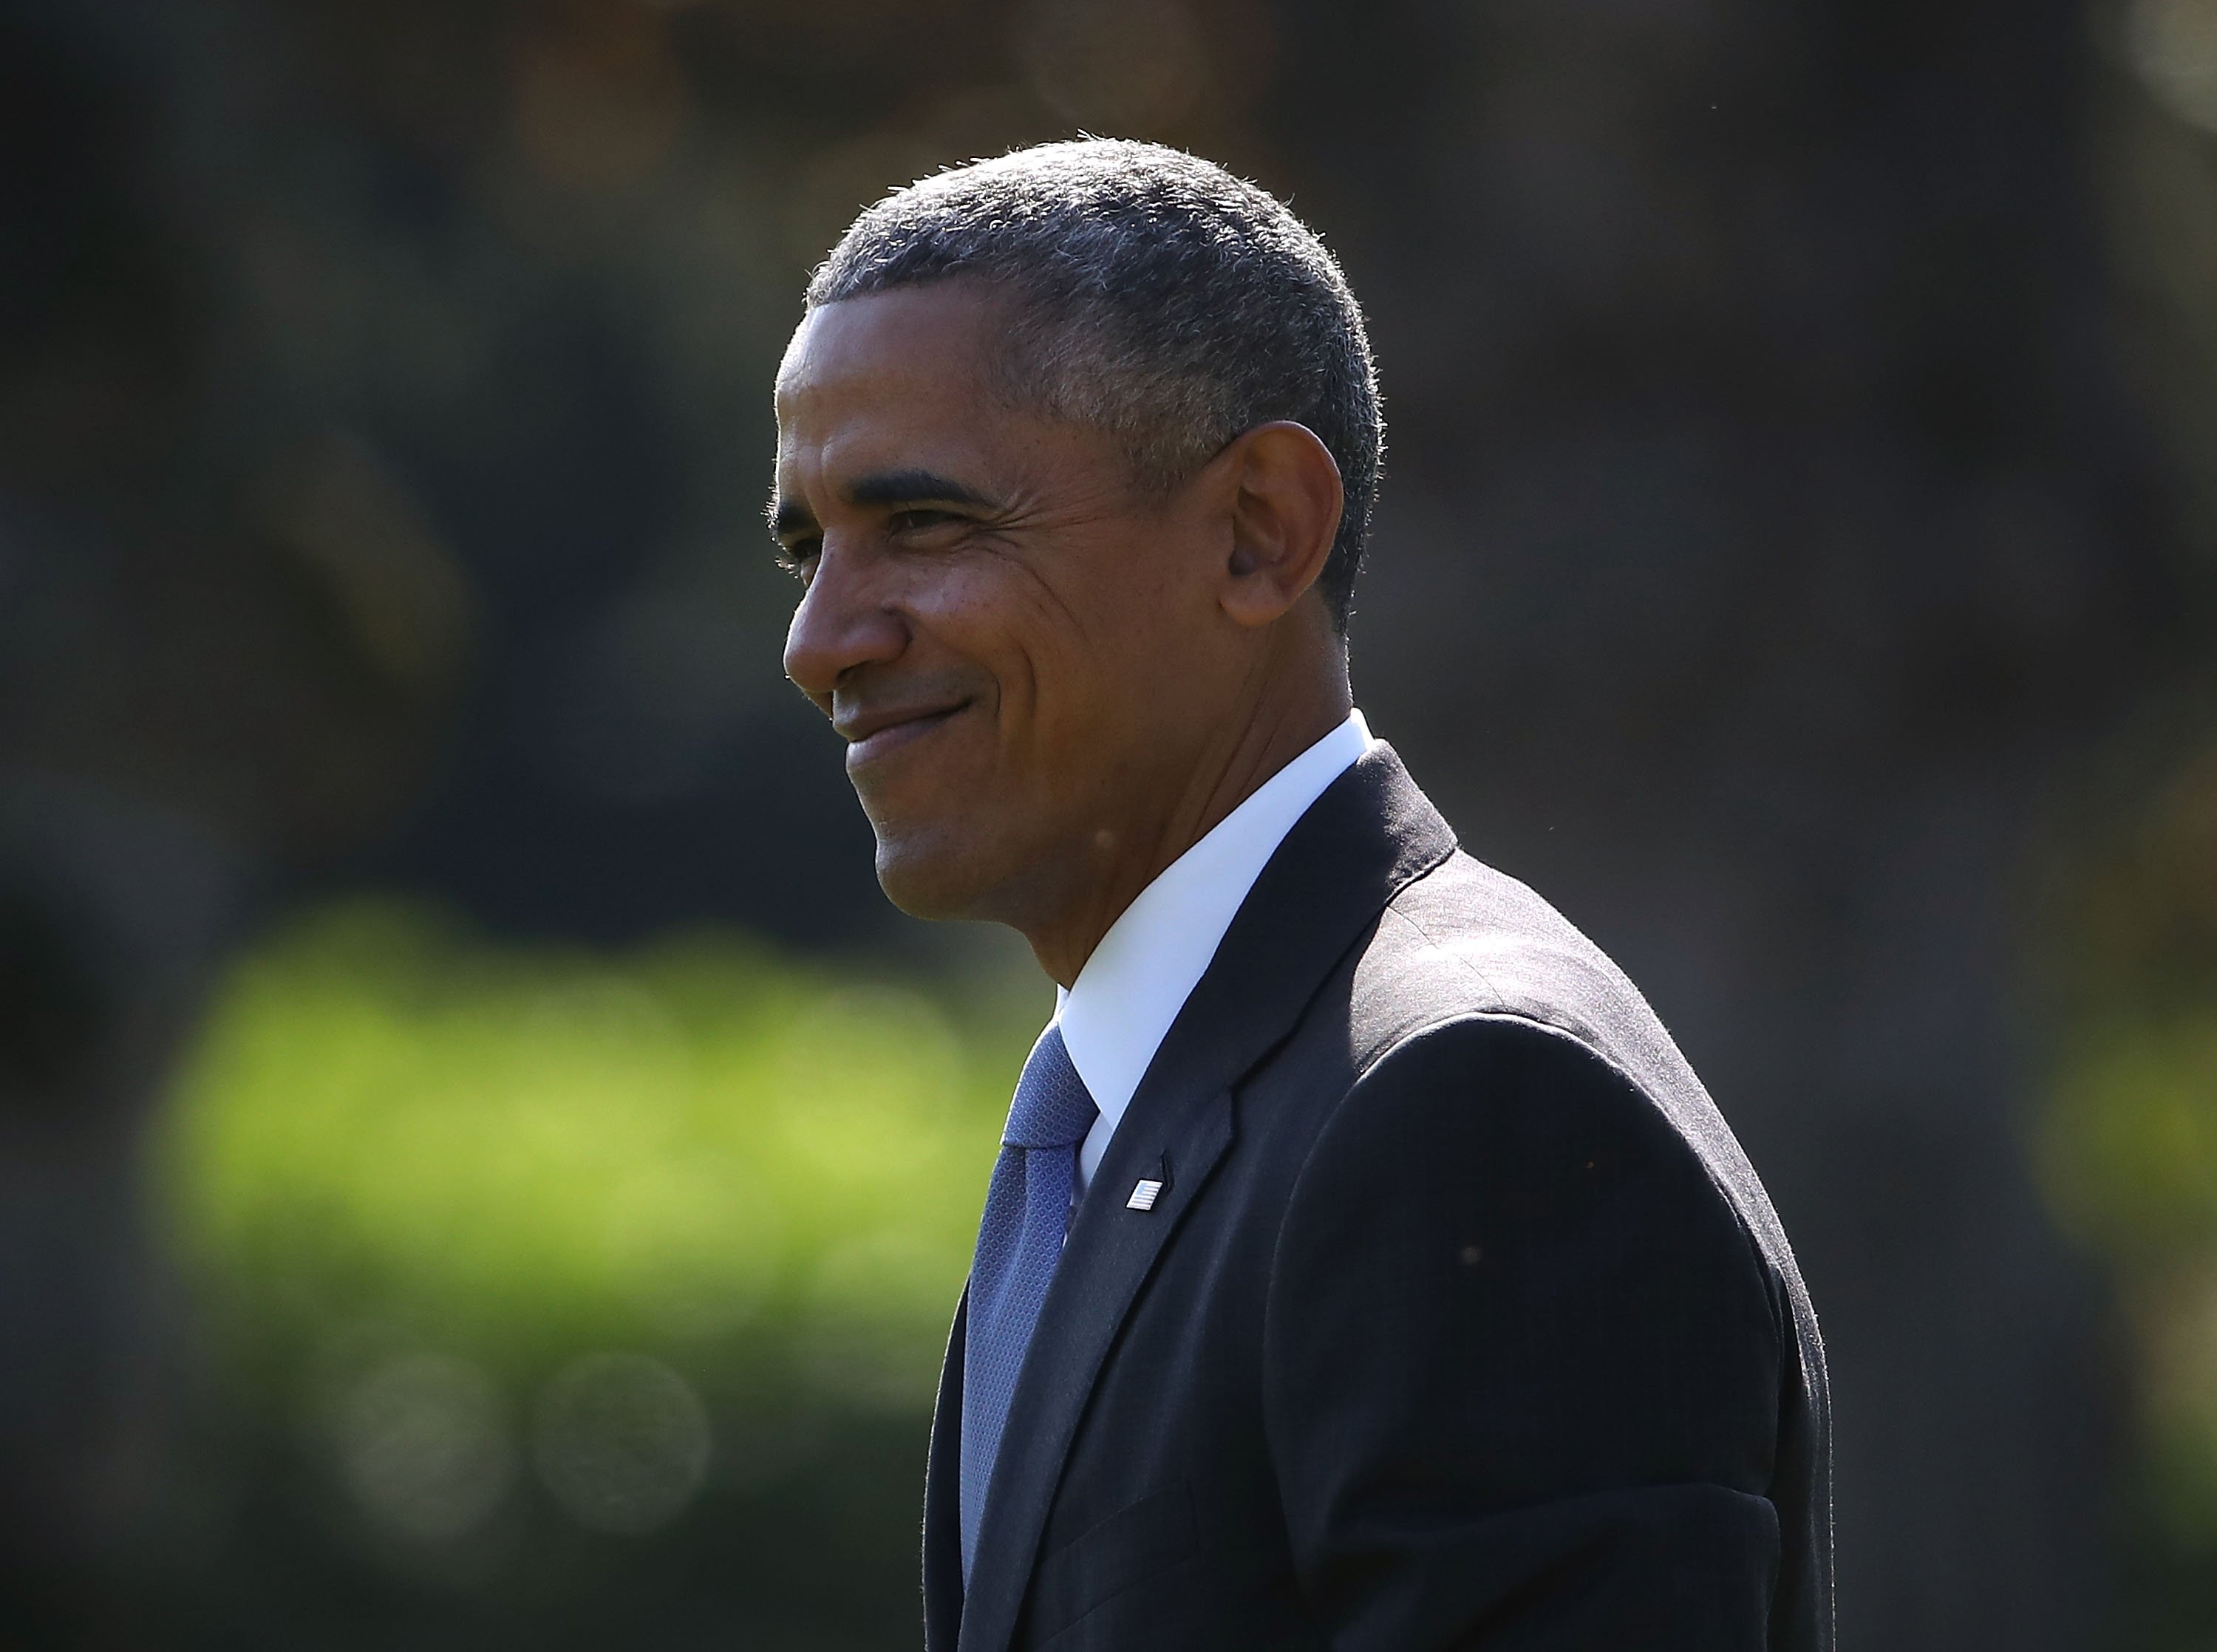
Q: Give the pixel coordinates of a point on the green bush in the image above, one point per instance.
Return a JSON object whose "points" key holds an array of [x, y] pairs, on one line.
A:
{"points": [[495, 1239]]}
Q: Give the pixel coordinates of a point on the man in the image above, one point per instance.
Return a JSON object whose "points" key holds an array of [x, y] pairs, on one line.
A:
{"points": [[1364, 1267]]}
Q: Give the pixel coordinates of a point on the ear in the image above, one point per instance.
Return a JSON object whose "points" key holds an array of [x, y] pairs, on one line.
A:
{"points": [[1286, 500]]}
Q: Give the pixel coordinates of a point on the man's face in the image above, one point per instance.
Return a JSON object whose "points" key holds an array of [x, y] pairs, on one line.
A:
{"points": [[1019, 648]]}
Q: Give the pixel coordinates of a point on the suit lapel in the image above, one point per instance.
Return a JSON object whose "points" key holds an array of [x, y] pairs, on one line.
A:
{"points": [[1110, 1253], [942, 1512], [1369, 834]]}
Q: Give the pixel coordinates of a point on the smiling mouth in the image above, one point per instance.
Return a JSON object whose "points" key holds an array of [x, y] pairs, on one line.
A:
{"points": [[893, 736]]}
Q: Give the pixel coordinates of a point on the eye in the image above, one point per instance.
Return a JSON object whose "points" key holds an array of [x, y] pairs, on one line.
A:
{"points": [[922, 520], [798, 557]]}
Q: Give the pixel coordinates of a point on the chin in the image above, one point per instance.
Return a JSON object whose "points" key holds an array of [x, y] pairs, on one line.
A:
{"points": [[926, 876]]}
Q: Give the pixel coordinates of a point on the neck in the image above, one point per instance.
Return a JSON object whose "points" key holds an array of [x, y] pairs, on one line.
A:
{"points": [[1125, 858]]}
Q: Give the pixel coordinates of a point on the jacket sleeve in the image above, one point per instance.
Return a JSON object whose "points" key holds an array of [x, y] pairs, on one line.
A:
{"points": [[1522, 1363]]}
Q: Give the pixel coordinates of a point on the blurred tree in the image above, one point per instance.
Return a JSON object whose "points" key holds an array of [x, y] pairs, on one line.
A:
{"points": [[206, 670], [2130, 1138]]}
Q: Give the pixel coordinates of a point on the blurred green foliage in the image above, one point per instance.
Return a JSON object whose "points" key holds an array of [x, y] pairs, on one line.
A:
{"points": [[523, 1233], [2128, 1155], [2132, 1140], [2130, 1159]]}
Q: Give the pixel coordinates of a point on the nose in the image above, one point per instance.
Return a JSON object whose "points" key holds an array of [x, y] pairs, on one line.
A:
{"points": [[843, 622]]}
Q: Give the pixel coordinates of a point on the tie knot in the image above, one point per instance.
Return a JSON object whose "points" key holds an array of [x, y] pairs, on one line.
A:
{"points": [[1053, 1106]]}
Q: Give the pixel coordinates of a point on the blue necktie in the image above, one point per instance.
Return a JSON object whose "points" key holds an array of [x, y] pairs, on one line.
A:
{"points": [[1019, 1242]]}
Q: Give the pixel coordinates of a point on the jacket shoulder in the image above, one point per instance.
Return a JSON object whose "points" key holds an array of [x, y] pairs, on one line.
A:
{"points": [[1465, 939], [1472, 954]]}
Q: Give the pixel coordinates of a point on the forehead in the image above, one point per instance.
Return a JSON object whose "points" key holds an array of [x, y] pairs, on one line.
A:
{"points": [[904, 361]]}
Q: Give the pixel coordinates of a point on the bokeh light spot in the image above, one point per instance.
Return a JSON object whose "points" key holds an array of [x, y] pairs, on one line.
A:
{"points": [[2172, 45], [621, 1441], [423, 1445]]}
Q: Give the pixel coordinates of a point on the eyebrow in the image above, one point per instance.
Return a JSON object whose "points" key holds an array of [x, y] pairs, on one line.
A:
{"points": [[881, 488]]}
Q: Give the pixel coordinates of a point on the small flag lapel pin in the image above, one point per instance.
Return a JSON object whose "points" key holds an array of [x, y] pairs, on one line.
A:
{"points": [[1148, 1189]]}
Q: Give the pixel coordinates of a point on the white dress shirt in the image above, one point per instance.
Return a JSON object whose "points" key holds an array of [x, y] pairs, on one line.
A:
{"points": [[1115, 1014]]}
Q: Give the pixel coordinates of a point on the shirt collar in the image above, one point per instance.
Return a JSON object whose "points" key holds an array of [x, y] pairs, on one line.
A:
{"points": [[1114, 1017]]}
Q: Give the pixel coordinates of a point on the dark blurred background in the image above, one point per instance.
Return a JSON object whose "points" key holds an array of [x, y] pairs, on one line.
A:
{"points": [[434, 1210]]}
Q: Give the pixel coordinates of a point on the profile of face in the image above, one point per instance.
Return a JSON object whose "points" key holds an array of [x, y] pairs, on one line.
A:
{"points": [[1031, 659]]}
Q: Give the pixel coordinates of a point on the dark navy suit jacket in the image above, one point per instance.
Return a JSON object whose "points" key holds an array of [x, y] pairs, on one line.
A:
{"points": [[1462, 1321]]}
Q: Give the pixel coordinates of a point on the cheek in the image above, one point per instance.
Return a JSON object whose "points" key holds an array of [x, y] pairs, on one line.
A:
{"points": [[1084, 641], [1143, 632], [1046, 649]]}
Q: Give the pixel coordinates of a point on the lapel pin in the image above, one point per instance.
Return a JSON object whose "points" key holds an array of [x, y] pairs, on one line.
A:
{"points": [[1144, 1195]]}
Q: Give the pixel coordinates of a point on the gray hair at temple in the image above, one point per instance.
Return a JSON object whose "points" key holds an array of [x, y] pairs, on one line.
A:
{"points": [[1163, 301]]}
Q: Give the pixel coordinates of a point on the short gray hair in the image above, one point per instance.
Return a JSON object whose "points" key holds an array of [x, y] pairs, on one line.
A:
{"points": [[1164, 300]]}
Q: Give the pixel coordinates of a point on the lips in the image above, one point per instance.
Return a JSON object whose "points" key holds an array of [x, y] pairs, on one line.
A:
{"points": [[877, 734]]}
